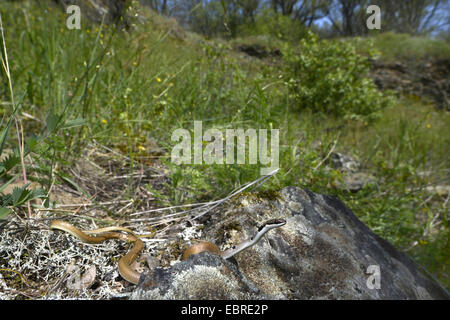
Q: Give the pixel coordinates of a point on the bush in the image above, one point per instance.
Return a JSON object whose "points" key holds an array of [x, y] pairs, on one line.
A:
{"points": [[275, 25], [330, 77]]}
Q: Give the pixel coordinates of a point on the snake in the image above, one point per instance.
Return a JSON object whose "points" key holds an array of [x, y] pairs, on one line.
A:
{"points": [[124, 266]]}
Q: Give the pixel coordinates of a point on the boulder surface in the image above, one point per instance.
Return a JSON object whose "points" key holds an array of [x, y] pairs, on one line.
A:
{"points": [[323, 252]]}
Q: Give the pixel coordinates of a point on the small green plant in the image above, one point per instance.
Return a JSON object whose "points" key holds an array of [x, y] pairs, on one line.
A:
{"points": [[330, 77]]}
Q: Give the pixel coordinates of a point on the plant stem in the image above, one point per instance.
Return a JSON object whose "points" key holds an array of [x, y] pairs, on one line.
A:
{"points": [[20, 139]]}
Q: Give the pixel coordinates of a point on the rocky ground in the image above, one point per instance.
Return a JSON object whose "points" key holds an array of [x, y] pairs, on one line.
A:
{"points": [[427, 80]]}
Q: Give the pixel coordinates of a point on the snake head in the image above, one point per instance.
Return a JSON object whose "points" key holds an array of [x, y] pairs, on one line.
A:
{"points": [[272, 223]]}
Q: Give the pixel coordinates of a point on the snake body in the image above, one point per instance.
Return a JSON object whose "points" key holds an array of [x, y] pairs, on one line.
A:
{"points": [[106, 233], [124, 263]]}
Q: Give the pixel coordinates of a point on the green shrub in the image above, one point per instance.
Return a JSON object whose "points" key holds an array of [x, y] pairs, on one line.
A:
{"points": [[276, 26], [330, 77]]}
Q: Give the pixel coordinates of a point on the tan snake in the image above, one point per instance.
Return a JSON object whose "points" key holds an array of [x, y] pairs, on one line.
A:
{"points": [[124, 263]]}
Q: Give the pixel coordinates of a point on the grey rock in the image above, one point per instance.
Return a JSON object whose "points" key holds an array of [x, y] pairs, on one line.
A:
{"points": [[353, 178], [344, 162], [355, 181], [441, 190], [323, 252]]}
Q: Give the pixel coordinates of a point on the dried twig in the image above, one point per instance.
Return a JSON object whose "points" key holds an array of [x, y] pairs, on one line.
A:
{"points": [[208, 206]]}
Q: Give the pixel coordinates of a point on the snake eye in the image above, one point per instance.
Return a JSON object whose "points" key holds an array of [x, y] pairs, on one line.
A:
{"points": [[234, 247]]}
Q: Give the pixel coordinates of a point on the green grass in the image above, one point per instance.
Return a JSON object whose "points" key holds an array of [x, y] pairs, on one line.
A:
{"points": [[395, 47], [127, 88]]}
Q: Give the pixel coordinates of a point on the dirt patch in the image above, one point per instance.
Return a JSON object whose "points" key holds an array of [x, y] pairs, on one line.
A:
{"points": [[428, 79]]}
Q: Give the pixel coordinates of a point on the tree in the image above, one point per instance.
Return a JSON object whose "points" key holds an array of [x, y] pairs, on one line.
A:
{"points": [[249, 9], [414, 16], [307, 12], [348, 17], [285, 7]]}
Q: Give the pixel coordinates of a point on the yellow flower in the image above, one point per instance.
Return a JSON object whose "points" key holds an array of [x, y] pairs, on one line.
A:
{"points": [[428, 126], [104, 121], [158, 79], [142, 148]]}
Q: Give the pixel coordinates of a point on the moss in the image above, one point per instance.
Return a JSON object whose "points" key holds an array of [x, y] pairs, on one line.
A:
{"points": [[271, 195], [258, 197]]}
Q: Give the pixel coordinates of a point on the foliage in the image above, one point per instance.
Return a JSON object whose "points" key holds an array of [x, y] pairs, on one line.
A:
{"points": [[330, 77], [347, 18], [275, 25], [19, 195]]}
